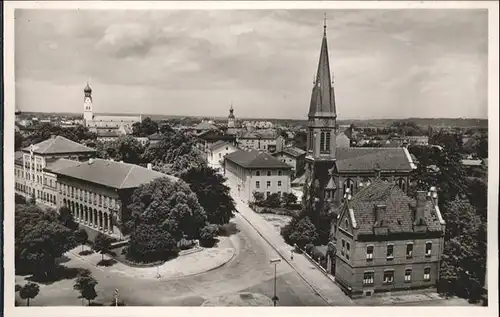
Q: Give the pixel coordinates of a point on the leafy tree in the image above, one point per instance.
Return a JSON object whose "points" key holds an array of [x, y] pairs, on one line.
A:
{"points": [[144, 128], [166, 128], [481, 147], [66, 218], [477, 193], [18, 141], [85, 284], [102, 244], [208, 234], [464, 255], [43, 131], [19, 199], [150, 243], [272, 201], [300, 231], [289, 199], [127, 149], [39, 239], [213, 195], [169, 204], [300, 140], [81, 236], [29, 291], [258, 197]]}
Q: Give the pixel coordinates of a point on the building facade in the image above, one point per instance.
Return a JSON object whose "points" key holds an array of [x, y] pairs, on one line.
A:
{"points": [[266, 140], [217, 152], [33, 177], [294, 157], [252, 171], [386, 241]]}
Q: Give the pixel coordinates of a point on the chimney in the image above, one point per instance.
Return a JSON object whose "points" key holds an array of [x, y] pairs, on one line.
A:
{"points": [[419, 218], [433, 195], [380, 215], [150, 166]]}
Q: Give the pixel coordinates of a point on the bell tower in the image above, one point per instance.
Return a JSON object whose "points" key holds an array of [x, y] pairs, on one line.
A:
{"points": [[321, 134], [231, 120], [88, 114]]}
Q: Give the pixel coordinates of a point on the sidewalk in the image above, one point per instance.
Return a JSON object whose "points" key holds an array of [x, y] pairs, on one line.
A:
{"points": [[322, 284]]}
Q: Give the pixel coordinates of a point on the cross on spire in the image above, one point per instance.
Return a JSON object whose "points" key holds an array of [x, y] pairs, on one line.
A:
{"points": [[324, 25]]}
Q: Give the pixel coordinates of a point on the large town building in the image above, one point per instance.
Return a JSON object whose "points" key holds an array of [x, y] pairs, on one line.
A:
{"points": [[217, 152], [294, 157], [32, 167], [97, 123], [331, 169], [97, 190], [262, 140], [254, 171], [386, 241]]}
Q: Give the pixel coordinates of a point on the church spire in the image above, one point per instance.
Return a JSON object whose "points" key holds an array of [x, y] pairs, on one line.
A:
{"points": [[323, 97]]}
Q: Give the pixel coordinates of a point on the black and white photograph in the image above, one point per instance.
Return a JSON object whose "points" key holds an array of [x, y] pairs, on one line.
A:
{"points": [[229, 154]]}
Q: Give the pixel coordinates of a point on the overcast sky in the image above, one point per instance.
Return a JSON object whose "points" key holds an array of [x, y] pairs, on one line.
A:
{"points": [[386, 63]]}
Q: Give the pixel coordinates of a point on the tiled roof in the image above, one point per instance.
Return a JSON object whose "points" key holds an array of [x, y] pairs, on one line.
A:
{"points": [[219, 144], [293, 151], [263, 134], [59, 144], [399, 210], [60, 164], [205, 126], [112, 174], [365, 159], [255, 159]]}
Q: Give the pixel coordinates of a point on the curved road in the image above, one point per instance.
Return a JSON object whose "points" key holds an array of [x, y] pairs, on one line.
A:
{"points": [[248, 271]]}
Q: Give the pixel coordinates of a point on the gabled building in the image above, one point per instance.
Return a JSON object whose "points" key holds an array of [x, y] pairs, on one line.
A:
{"points": [[386, 241], [294, 157], [30, 163], [264, 140], [217, 152], [254, 171]]}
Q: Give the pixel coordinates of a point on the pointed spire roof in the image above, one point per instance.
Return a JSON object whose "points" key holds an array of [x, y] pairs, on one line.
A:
{"points": [[323, 97]]}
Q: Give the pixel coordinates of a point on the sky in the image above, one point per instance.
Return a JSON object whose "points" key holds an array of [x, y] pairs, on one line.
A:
{"points": [[386, 63]]}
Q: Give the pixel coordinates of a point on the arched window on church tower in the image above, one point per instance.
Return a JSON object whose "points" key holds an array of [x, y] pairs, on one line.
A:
{"points": [[322, 141], [402, 184]]}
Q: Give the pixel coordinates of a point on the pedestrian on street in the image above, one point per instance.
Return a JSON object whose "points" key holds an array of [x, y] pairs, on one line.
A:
{"points": [[292, 255]]}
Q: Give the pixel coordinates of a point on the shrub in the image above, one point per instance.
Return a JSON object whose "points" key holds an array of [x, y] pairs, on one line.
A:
{"points": [[300, 231], [208, 235]]}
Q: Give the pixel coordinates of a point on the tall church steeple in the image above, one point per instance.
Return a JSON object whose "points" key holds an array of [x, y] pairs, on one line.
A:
{"points": [[322, 109], [231, 120], [88, 113]]}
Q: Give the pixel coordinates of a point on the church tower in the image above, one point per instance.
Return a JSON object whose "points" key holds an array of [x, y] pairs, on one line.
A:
{"points": [[87, 105], [320, 157], [231, 120]]}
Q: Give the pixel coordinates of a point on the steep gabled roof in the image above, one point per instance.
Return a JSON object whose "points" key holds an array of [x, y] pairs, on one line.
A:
{"points": [[399, 209], [112, 174], [255, 159], [362, 159], [59, 144]]}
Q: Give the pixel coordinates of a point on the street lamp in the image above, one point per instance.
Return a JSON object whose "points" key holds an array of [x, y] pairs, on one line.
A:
{"points": [[275, 262]]}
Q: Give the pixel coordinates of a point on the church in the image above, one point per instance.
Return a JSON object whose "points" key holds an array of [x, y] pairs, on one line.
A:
{"points": [[105, 124], [333, 170]]}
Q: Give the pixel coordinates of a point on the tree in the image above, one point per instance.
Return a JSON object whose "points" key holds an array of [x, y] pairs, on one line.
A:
{"points": [[18, 141], [81, 236], [85, 284], [149, 243], [29, 291], [481, 147], [144, 128], [39, 239], [213, 195], [66, 218], [102, 244], [167, 203], [300, 231], [258, 197], [289, 199], [208, 234], [272, 201], [127, 149], [19, 199], [300, 140]]}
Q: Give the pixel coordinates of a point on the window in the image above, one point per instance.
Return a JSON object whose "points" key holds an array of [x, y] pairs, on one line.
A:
{"points": [[390, 251], [268, 194], [311, 140], [268, 173], [369, 252], [346, 224], [349, 184], [342, 251], [402, 184], [280, 172], [279, 183], [407, 275], [368, 278], [100, 199], [327, 141], [322, 141], [348, 250], [428, 248], [427, 274], [257, 184], [257, 173], [279, 194], [268, 184], [409, 250], [388, 277]]}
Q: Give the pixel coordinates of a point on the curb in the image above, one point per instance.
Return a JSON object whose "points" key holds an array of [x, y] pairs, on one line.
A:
{"points": [[199, 273], [287, 261]]}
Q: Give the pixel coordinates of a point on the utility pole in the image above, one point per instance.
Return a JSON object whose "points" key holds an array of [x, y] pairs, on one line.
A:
{"points": [[275, 262]]}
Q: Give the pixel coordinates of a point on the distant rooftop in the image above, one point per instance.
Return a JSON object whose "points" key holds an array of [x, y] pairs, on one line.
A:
{"points": [[58, 145], [255, 159]]}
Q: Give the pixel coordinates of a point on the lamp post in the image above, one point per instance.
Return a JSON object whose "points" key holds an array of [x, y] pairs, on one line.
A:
{"points": [[275, 262]]}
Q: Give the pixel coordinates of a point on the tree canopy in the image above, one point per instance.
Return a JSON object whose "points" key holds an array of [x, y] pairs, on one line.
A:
{"points": [[43, 131], [39, 239], [144, 128], [29, 291], [300, 231], [85, 284], [125, 148], [150, 243], [102, 244], [213, 195]]}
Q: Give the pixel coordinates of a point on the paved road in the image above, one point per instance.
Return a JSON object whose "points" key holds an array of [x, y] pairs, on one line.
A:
{"points": [[249, 270]]}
